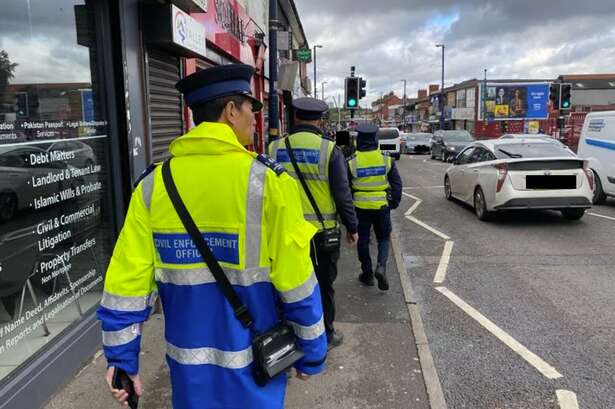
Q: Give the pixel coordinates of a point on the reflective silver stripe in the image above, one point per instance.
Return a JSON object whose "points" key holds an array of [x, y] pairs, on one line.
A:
{"points": [[323, 163], [359, 183], [353, 167], [370, 198], [121, 337], [310, 332], [309, 176], [197, 276], [254, 214], [210, 356], [126, 304], [300, 293], [311, 217], [147, 189]]}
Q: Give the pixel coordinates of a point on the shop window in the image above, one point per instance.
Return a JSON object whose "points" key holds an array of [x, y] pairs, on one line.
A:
{"points": [[55, 226]]}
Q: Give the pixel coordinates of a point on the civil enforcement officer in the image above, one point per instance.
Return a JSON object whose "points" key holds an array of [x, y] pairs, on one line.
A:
{"points": [[376, 188], [324, 169], [249, 211]]}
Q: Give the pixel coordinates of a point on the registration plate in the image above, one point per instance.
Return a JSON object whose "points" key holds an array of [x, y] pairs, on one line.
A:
{"points": [[551, 182]]}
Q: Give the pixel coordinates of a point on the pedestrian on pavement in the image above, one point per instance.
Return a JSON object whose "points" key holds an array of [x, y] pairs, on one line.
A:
{"points": [[248, 210], [376, 187], [325, 195]]}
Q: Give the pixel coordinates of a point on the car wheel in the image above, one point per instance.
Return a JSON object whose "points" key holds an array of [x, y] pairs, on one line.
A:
{"points": [[480, 205], [599, 195], [573, 214], [448, 193], [8, 206]]}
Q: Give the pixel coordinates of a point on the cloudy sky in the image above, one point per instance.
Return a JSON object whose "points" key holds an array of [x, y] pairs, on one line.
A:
{"points": [[391, 40]]}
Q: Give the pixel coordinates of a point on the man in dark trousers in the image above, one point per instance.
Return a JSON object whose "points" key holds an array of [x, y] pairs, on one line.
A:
{"points": [[376, 187], [324, 171]]}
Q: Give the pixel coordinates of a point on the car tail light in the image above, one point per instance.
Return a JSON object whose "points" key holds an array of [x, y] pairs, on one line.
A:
{"points": [[590, 175], [502, 173]]}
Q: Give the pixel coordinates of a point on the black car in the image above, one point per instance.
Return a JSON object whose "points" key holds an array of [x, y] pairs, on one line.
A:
{"points": [[445, 145]]}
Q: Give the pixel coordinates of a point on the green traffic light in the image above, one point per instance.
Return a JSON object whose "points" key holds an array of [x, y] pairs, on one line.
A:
{"points": [[566, 104], [352, 102]]}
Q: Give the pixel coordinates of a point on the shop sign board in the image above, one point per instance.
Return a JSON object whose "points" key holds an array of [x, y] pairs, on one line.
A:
{"points": [[302, 55], [188, 32]]}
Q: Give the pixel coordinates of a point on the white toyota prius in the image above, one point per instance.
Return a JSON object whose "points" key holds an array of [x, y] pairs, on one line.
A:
{"points": [[512, 174]]}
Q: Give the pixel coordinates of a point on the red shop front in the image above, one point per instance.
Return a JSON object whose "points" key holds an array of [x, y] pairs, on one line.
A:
{"points": [[232, 37]]}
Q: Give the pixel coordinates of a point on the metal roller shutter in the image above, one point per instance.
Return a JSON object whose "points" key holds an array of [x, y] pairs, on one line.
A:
{"points": [[164, 101]]}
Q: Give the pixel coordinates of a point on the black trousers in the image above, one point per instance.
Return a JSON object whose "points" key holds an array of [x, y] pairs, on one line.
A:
{"points": [[325, 266], [380, 220]]}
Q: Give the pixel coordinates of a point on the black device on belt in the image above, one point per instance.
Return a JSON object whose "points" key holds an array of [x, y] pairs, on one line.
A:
{"points": [[330, 237]]}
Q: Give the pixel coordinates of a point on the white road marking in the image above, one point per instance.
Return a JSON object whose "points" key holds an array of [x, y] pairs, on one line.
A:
{"points": [[531, 358], [423, 187], [567, 399], [444, 262], [416, 204], [425, 226], [599, 215]]}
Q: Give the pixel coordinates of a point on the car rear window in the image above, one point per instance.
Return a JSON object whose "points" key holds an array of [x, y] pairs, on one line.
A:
{"points": [[387, 134], [531, 150], [457, 136], [419, 137]]}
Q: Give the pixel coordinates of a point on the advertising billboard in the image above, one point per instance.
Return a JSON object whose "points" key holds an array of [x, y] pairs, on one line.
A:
{"points": [[516, 101]]}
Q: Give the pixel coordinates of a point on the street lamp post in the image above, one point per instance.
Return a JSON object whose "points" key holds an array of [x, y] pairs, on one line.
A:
{"points": [[442, 89], [485, 100], [322, 94], [315, 89], [403, 112]]}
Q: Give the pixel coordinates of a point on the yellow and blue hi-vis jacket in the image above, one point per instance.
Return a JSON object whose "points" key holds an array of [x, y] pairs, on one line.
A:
{"points": [[251, 217]]}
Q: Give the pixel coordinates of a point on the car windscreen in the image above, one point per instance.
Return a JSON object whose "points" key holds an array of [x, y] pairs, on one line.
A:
{"points": [[386, 134], [531, 150], [460, 136]]}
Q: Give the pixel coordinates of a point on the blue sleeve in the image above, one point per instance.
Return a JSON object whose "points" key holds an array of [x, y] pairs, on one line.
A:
{"points": [[396, 186]]}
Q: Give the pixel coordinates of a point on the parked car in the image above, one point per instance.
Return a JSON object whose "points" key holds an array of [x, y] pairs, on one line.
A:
{"points": [[416, 142], [446, 145], [83, 153], [505, 174], [389, 140], [16, 174], [597, 146]]}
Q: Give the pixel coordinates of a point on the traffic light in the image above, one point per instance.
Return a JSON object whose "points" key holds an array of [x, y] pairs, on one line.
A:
{"points": [[554, 91], [21, 104], [362, 84], [351, 93], [566, 96]]}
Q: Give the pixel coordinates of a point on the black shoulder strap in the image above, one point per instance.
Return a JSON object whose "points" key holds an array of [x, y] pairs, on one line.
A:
{"points": [[241, 311], [143, 175], [271, 164], [308, 193]]}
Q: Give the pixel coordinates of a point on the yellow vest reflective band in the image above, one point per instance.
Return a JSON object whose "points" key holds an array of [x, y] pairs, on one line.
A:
{"points": [[369, 179], [313, 154]]}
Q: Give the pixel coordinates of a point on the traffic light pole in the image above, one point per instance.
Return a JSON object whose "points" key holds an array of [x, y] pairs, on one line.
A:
{"points": [[273, 70]]}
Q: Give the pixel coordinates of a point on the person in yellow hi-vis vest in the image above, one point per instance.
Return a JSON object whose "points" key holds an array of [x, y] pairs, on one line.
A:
{"points": [[249, 211], [376, 188], [321, 164]]}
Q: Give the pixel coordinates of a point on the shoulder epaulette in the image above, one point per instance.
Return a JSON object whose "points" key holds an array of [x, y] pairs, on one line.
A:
{"points": [[271, 164], [143, 175]]}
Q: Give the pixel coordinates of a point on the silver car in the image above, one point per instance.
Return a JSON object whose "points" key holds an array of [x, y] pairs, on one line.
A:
{"points": [[505, 174]]}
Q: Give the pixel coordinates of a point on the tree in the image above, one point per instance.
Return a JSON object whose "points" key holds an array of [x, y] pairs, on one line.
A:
{"points": [[7, 69]]}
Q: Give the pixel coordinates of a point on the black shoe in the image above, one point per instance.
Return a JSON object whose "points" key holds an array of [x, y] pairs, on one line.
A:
{"points": [[367, 279], [335, 339], [381, 276]]}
